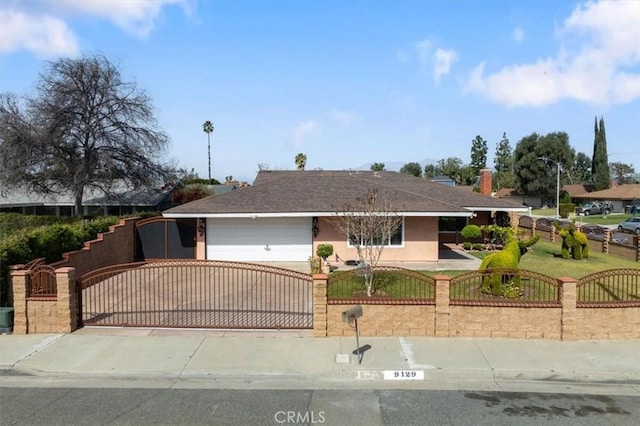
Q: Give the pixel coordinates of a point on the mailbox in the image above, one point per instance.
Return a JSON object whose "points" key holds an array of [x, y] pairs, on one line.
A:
{"points": [[352, 313]]}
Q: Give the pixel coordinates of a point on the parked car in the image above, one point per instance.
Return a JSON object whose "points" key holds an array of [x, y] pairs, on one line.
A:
{"points": [[632, 225], [596, 207]]}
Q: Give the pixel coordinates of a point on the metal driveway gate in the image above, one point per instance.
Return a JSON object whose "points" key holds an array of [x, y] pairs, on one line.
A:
{"points": [[162, 238], [197, 293]]}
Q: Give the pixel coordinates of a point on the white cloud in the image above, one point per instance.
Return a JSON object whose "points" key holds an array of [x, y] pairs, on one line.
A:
{"points": [[45, 36], [443, 59], [423, 50], [440, 59], [303, 130], [598, 53], [518, 35], [344, 117], [135, 17], [41, 26]]}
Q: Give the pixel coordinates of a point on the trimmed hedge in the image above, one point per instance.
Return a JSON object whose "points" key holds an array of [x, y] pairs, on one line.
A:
{"points": [[566, 208], [23, 240]]}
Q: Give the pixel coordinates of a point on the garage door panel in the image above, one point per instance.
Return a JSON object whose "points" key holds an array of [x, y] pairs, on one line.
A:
{"points": [[260, 239]]}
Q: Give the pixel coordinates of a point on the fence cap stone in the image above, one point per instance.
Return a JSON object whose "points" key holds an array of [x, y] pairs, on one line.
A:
{"points": [[565, 280]]}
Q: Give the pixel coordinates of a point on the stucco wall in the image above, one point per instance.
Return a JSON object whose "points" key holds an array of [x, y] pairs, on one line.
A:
{"points": [[420, 241]]}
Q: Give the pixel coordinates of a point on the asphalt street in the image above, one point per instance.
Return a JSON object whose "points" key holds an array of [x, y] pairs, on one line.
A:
{"points": [[130, 406]]}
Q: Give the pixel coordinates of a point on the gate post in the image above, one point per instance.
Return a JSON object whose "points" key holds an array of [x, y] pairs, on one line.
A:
{"points": [[568, 298], [19, 279], [443, 298], [67, 320], [320, 305]]}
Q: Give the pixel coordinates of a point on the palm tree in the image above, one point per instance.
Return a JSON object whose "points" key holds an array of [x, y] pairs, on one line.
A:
{"points": [[301, 161], [207, 127]]}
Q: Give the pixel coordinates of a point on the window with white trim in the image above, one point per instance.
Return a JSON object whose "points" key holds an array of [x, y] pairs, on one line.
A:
{"points": [[394, 240]]}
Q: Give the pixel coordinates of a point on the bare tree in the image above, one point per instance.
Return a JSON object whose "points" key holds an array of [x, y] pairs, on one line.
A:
{"points": [[368, 223], [85, 129]]}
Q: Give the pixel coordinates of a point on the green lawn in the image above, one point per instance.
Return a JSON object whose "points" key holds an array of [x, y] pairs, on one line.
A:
{"points": [[544, 257], [611, 219]]}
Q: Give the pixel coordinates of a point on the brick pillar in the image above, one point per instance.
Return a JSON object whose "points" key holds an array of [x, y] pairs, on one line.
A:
{"points": [[320, 305], [442, 305], [67, 318], [19, 284], [533, 228], [605, 240], [552, 234], [568, 296], [636, 241]]}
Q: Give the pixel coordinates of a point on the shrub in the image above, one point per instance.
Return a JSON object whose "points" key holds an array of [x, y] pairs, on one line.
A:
{"points": [[324, 250], [478, 246], [566, 208], [466, 245], [314, 264], [471, 231]]}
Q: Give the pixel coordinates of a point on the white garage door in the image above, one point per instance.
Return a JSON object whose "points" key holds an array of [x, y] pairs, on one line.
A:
{"points": [[260, 239]]}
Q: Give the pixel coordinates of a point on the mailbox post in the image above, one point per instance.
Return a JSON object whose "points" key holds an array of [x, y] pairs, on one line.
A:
{"points": [[350, 316]]}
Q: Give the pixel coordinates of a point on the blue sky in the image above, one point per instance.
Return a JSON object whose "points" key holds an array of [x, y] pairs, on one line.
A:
{"points": [[350, 82]]}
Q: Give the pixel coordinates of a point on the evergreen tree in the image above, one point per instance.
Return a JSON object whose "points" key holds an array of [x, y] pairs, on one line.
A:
{"points": [[479, 151], [378, 167], [412, 168], [534, 175], [599, 162], [580, 171], [503, 164]]}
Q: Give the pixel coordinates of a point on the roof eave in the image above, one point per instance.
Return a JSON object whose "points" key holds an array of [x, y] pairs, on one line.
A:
{"points": [[301, 214]]}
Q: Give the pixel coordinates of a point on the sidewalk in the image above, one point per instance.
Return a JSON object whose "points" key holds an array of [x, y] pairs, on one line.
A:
{"points": [[113, 357]]}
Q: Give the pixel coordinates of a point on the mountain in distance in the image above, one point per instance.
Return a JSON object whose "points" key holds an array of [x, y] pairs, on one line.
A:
{"points": [[395, 166]]}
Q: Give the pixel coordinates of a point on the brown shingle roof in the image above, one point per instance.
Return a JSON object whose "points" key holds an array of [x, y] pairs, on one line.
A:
{"points": [[622, 192], [577, 189], [326, 191]]}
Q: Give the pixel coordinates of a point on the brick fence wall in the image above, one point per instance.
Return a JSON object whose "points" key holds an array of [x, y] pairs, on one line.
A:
{"points": [[51, 314], [110, 248], [567, 321]]}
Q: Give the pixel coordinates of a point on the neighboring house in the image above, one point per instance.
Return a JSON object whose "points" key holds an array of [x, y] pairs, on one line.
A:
{"points": [[622, 197], [94, 203], [445, 180], [510, 194], [284, 215]]}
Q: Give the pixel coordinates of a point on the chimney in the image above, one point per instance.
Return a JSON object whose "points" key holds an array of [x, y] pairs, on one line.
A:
{"points": [[485, 182], [614, 183]]}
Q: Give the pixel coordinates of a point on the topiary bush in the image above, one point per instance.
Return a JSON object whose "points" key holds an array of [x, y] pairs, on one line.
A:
{"points": [[324, 250], [466, 245], [471, 231], [508, 257]]}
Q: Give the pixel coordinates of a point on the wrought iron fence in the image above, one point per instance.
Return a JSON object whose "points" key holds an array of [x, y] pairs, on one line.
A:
{"points": [[516, 287], [391, 285], [614, 287], [207, 294], [42, 281]]}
